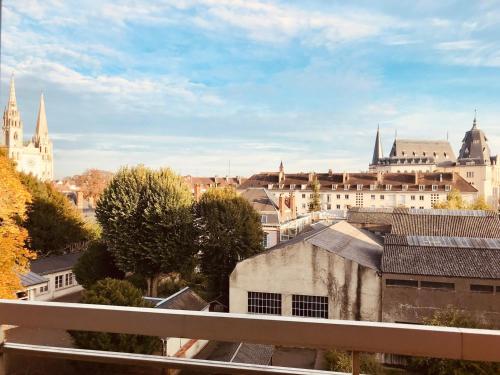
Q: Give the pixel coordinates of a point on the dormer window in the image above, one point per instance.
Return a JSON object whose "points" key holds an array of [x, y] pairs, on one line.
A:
{"points": [[421, 187], [303, 186], [359, 186], [388, 187], [373, 187], [263, 219], [347, 187], [405, 187], [269, 186], [434, 187], [292, 186], [334, 187], [281, 186], [447, 188]]}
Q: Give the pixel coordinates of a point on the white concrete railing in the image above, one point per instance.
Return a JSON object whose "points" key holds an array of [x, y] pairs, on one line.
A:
{"points": [[403, 339]]}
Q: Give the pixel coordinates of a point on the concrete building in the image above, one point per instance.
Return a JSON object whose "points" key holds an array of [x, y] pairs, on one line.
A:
{"points": [[328, 272], [434, 259], [341, 191], [50, 278], [279, 218], [33, 156], [475, 163]]}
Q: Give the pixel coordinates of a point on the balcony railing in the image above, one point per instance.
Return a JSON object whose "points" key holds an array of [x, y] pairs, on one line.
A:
{"points": [[355, 336]]}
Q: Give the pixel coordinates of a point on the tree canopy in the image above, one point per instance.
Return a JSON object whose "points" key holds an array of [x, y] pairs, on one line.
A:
{"points": [[455, 201], [315, 204], [229, 231], [92, 182], [14, 256], [52, 222], [118, 293], [95, 264], [147, 222]]}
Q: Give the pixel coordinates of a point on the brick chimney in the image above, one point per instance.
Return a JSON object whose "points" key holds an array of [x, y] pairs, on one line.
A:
{"points": [[197, 192], [345, 177], [293, 205], [379, 177], [282, 207], [79, 200]]}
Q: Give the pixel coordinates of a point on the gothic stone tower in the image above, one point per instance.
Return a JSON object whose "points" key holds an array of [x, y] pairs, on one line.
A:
{"points": [[34, 156]]}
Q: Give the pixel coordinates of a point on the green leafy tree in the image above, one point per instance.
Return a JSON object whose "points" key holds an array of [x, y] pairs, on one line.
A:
{"points": [[229, 231], [315, 204], [455, 201], [52, 222], [95, 264], [147, 223], [117, 293], [452, 317]]}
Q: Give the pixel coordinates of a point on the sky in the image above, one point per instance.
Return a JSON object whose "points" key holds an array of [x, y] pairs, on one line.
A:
{"points": [[217, 87]]}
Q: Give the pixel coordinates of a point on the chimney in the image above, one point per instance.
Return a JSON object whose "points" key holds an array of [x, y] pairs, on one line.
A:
{"points": [[453, 177], [330, 172], [440, 177], [416, 177], [79, 200], [310, 177], [197, 192], [345, 177], [293, 205], [379, 177], [282, 207]]}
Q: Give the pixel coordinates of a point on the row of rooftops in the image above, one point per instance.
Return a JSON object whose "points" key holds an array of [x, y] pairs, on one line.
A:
{"points": [[417, 181]]}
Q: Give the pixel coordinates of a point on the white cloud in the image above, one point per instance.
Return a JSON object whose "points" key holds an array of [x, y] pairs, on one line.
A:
{"points": [[458, 45]]}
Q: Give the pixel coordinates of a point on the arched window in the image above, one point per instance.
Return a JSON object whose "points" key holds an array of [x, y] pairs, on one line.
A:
{"points": [[15, 136]]}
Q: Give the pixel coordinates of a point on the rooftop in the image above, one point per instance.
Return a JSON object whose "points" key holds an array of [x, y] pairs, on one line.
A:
{"points": [[57, 263]]}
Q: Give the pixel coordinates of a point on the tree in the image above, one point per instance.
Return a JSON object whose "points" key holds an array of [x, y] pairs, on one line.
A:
{"points": [[117, 293], [229, 231], [341, 361], [52, 222], [92, 182], [454, 201], [315, 204], [147, 222], [14, 256], [452, 317], [95, 264]]}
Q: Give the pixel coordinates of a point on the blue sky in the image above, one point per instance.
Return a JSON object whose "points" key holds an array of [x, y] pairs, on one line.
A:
{"points": [[196, 84]]}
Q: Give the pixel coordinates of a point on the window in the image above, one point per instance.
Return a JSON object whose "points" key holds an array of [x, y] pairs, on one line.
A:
{"points": [[334, 187], [412, 197], [68, 279], [437, 285], [434, 187], [264, 303], [59, 281], [404, 187], [310, 306], [338, 196], [479, 288], [338, 206], [346, 196], [347, 187], [292, 186], [421, 197], [311, 196], [44, 289], [359, 186], [447, 188], [263, 219], [470, 174], [372, 197], [405, 283], [264, 241], [382, 197], [303, 195], [421, 187], [373, 187], [388, 187], [303, 205], [303, 186]]}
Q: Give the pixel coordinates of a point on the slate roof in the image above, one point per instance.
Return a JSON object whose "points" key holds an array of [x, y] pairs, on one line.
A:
{"points": [[31, 279], [257, 354], [366, 215], [185, 299], [441, 261], [453, 223], [475, 147], [263, 204], [437, 149], [57, 263]]}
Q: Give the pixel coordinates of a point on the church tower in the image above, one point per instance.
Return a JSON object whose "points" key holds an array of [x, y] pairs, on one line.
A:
{"points": [[12, 124], [43, 143]]}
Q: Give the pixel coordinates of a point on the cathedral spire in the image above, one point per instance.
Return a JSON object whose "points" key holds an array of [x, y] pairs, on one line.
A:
{"points": [[12, 93], [42, 130], [377, 151], [474, 124]]}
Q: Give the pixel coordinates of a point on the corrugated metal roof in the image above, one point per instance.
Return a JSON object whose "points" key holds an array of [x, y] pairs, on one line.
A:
{"points": [[31, 278], [185, 299]]}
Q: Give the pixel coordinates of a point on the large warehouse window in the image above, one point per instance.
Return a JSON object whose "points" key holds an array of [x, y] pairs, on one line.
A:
{"points": [[310, 306], [264, 303]]}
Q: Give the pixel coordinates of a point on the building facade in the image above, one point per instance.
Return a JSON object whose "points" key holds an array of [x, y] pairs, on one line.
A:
{"points": [[475, 163], [341, 191], [328, 272], [34, 156]]}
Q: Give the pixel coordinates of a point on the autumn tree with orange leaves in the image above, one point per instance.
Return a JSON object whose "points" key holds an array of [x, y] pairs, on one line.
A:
{"points": [[14, 257]]}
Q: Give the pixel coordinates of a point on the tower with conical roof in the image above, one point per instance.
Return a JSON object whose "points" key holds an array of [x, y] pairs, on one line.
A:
{"points": [[475, 149], [34, 156]]}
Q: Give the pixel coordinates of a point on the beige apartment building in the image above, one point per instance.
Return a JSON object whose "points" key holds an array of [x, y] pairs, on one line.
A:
{"points": [[341, 191]]}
